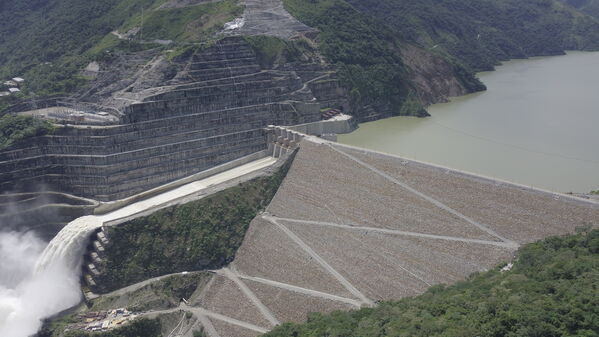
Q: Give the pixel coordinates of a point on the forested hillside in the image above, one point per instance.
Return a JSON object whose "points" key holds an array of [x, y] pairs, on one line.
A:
{"points": [[50, 41], [45, 39], [480, 33], [590, 7], [203, 234], [552, 290]]}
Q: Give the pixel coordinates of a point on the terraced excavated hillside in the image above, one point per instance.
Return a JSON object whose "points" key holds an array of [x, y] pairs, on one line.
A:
{"points": [[148, 117], [186, 128], [167, 133]]}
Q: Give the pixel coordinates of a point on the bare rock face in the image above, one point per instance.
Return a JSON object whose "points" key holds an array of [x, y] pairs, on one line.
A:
{"points": [[434, 78], [269, 17]]}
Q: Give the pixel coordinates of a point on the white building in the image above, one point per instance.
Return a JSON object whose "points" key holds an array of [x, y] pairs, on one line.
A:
{"points": [[18, 79], [13, 90]]}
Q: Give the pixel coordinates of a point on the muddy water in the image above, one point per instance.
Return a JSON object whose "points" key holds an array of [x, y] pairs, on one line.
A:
{"points": [[538, 125]]}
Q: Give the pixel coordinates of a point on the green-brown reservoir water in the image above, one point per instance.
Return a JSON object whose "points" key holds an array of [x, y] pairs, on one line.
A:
{"points": [[537, 125]]}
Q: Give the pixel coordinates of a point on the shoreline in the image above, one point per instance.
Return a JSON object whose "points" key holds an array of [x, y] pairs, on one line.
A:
{"points": [[392, 136]]}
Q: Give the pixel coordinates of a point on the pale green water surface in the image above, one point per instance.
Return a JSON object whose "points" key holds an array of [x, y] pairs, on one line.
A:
{"points": [[538, 125]]}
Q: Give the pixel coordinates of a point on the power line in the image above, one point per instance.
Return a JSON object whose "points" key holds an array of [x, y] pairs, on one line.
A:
{"points": [[549, 154]]}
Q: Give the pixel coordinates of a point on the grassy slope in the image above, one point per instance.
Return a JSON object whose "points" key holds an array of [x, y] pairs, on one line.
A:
{"points": [[195, 23], [271, 51], [198, 235], [141, 327], [159, 295], [49, 42], [552, 290], [479, 33], [56, 31]]}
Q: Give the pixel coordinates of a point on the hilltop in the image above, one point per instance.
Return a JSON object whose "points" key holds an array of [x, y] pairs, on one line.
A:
{"points": [[51, 42], [480, 34], [395, 56]]}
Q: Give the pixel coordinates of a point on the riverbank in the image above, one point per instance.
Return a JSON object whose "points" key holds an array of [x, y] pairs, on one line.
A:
{"points": [[534, 126]]}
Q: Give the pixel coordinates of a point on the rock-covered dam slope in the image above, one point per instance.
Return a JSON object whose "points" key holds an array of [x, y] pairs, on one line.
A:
{"points": [[351, 227]]}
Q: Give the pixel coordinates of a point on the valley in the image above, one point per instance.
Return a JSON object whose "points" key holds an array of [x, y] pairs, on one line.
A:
{"points": [[181, 159]]}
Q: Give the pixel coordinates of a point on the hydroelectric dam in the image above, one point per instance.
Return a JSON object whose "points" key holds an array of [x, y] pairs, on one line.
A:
{"points": [[346, 228]]}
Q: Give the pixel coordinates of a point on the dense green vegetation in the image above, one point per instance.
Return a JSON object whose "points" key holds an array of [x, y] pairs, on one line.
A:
{"points": [[365, 52], [141, 327], [595, 192], [49, 42], [552, 290], [45, 41], [480, 33], [15, 128], [272, 51], [198, 235]]}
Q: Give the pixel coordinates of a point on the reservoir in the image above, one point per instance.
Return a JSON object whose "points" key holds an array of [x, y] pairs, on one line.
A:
{"points": [[537, 125]]}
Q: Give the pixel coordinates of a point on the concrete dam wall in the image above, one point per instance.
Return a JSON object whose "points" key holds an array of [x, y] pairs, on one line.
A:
{"points": [[217, 117]]}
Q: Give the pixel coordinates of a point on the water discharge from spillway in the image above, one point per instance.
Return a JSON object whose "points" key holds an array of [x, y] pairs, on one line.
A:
{"points": [[36, 283], [68, 246]]}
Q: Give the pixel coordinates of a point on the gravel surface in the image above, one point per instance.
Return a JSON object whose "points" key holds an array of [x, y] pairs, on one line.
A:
{"points": [[387, 227], [351, 194], [230, 330], [268, 253], [291, 306], [518, 214], [388, 267], [225, 298]]}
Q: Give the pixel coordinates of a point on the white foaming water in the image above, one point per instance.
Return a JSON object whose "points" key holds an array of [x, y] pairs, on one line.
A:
{"points": [[68, 245], [36, 283]]}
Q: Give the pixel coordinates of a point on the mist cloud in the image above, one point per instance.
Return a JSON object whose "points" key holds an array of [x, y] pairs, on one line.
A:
{"points": [[27, 296]]}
